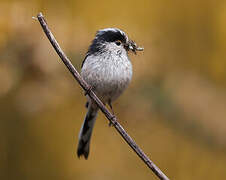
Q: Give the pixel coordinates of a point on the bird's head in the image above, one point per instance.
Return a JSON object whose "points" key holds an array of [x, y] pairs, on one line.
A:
{"points": [[112, 39]]}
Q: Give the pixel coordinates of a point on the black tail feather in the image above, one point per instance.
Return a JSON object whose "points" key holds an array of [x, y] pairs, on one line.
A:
{"points": [[86, 132]]}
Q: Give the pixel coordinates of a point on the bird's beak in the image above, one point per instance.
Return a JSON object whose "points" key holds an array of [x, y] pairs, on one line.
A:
{"points": [[131, 45]]}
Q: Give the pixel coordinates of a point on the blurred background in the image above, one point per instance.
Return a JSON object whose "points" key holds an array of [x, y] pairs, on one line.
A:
{"points": [[174, 108]]}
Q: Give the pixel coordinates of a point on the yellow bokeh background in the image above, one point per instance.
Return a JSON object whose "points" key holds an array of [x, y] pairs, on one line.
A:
{"points": [[174, 108]]}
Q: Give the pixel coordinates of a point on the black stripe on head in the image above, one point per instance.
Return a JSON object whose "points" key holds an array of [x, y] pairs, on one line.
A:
{"points": [[111, 35]]}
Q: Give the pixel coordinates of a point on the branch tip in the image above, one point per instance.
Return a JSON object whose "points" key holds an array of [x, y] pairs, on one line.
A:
{"points": [[34, 18], [39, 15]]}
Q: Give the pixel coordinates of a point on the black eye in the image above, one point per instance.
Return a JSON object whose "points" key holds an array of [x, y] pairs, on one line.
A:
{"points": [[118, 43]]}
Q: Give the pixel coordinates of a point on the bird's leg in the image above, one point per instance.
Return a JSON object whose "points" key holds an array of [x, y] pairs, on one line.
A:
{"points": [[110, 105]]}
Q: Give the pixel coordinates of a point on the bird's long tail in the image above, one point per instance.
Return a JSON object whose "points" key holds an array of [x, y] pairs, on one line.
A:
{"points": [[86, 131]]}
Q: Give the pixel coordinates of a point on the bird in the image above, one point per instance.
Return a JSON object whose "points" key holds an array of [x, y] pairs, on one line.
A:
{"points": [[108, 71]]}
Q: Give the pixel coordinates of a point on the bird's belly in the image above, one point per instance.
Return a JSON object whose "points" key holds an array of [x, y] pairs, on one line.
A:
{"points": [[113, 83], [109, 81]]}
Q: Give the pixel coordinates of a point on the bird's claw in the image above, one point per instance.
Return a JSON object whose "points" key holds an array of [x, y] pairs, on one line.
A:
{"points": [[113, 118], [88, 90]]}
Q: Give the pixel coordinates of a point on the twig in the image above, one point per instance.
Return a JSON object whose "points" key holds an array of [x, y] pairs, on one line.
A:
{"points": [[92, 95]]}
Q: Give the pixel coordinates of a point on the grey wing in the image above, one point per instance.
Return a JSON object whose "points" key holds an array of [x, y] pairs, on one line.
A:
{"points": [[84, 60], [87, 103]]}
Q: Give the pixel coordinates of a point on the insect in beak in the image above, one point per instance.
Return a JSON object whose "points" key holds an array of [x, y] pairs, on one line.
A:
{"points": [[131, 45]]}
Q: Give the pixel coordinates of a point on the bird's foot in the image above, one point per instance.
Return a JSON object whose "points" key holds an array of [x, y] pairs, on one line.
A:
{"points": [[88, 90], [113, 118]]}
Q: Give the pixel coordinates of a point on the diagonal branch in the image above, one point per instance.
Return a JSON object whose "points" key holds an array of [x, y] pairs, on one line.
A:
{"points": [[92, 95]]}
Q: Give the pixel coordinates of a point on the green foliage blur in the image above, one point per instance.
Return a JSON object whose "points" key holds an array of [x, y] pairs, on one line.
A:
{"points": [[175, 107]]}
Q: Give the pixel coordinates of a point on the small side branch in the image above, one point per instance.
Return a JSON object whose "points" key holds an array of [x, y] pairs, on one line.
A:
{"points": [[92, 95]]}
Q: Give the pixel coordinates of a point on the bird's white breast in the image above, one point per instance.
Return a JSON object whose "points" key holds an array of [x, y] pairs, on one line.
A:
{"points": [[108, 75]]}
